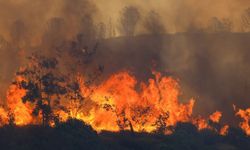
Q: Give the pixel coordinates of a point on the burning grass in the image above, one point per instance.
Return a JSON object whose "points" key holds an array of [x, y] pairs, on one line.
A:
{"points": [[40, 95]]}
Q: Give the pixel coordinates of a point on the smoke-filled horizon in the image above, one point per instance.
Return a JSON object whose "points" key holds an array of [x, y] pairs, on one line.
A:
{"points": [[180, 15], [177, 16]]}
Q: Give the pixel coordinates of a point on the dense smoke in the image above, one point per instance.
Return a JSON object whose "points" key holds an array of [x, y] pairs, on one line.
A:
{"points": [[176, 15], [213, 68], [179, 15]]}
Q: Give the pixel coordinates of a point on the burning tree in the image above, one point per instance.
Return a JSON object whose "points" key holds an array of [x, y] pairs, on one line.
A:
{"points": [[42, 84], [123, 122], [161, 125], [74, 96]]}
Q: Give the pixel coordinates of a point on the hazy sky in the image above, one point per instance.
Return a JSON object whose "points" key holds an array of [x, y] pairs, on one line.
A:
{"points": [[177, 15]]}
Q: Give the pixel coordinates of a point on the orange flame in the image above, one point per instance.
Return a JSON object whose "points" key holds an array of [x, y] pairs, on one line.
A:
{"points": [[245, 124], [118, 99], [118, 103], [215, 117], [4, 118], [22, 112], [224, 130]]}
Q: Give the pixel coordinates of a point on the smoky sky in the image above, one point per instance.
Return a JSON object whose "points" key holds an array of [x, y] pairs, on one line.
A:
{"points": [[177, 15]]}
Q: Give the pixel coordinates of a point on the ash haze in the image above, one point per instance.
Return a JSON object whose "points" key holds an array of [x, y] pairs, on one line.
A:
{"points": [[177, 15], [205, 44]]}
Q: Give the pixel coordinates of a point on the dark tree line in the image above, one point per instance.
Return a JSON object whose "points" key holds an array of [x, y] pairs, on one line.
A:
{"points": [[74, 134]]}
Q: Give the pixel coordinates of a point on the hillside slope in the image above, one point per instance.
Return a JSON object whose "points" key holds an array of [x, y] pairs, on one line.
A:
{"points": [[213, 68]]}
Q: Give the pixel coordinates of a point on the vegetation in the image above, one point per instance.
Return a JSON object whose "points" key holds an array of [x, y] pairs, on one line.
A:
{"points": [[130, 16], [246, 20], [74, 134], [153, 23], [43, 85], [217, 26]]}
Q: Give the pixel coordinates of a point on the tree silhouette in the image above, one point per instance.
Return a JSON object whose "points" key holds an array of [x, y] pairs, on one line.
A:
{"points": [[161, 125], [246, 20], [111, 31], [43, 85], [55, 33], [153, 23], [88, 30], [74, 97], [218, 26], [130, 16], [101, 31], [19, 34]]}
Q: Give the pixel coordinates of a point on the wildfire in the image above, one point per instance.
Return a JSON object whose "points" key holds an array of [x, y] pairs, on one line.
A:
{"points": [[224, 130], [21, 112], [4, 116], [147, 108], [215, 117], [121, 103], [140, 109], [245, 124]]}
